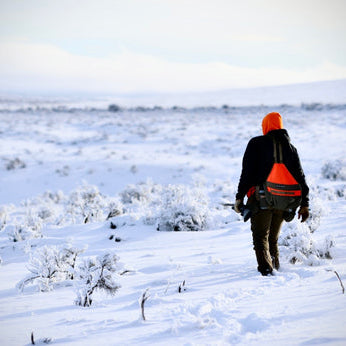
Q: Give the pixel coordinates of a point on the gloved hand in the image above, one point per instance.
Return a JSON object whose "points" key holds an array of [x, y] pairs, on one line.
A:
{"points": [[303, 213], [237, 205]]}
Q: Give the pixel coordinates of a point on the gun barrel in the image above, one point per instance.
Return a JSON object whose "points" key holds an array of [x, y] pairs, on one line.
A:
{"points": [[228, 205]]}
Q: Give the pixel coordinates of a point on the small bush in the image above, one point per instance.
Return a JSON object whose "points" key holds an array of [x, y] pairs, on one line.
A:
{"points": [[318, 208], [15, 164], [182, 209], [324, 250], [87, 204], [64, 171], [335, 170], [114, 108], [141, 193], [30, 228], [96, 274], [49, 265], [115, 208], [298, 245], [17, 233], [3, 217]]}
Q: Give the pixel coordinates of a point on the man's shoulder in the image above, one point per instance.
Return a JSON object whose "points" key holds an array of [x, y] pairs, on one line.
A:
{"points": [[258, 140]]}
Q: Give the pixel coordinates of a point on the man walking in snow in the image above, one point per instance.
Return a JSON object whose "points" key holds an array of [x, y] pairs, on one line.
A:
{"points": [[258, 162]]}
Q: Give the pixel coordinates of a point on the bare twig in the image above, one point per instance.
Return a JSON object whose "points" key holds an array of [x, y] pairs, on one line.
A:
{"points": [[167, 287], [145, 297], [342, 286], [45, 340], [113, 213], [126, 271], [337, 275], [182, 287]]}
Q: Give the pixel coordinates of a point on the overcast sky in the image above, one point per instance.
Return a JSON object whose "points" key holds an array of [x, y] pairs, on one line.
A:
{"points": [[125, 46]]}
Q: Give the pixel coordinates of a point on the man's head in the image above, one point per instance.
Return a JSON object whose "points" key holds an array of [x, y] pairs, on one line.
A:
{"points": [[272, 121]]}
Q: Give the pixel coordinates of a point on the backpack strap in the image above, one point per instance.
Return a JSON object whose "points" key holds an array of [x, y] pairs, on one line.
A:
{"points": [[277, 145]]}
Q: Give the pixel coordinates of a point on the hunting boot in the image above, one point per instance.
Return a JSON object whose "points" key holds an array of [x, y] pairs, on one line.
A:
{"points": [[264, 261], [275, 262]]}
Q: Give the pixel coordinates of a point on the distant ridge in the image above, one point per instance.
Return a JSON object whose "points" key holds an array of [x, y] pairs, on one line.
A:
{"points": [[114, 108], [295, 95]]}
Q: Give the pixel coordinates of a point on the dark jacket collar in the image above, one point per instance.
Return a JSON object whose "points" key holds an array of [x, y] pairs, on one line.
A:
{"points": [[281, 134]]}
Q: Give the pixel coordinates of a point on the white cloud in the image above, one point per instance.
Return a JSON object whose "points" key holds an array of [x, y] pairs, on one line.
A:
{"points": [[25, 66]]}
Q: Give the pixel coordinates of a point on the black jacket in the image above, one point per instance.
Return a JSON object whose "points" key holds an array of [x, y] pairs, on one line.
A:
{"points": [[259, 159]]}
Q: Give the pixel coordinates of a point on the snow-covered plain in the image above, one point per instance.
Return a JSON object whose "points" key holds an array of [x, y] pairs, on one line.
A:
{"points": [[76, 177]]}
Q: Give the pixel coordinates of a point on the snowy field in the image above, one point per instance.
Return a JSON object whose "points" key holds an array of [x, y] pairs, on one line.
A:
{"points": [[128, 200]]}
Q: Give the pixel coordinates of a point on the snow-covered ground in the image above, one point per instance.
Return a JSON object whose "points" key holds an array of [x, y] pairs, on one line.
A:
{"points": [[80, 184]]}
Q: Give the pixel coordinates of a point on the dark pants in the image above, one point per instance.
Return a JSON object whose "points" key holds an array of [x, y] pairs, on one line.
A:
{"points": [[265, 226]]}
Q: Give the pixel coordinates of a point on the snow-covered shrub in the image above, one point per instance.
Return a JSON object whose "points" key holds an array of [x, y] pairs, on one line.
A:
{"points": [[15, 164], [68, 257], [182, 209], [220, 212], [340, 191], [114, 108], [318, 208], [335, 170], [64, 171], [47, 198], [17, 233], [314, 220], [298, 245], [96, 274], [34, 222], [45, 213], [3, 218], [143, 200], [29, 227], [131, 194], [143, 192], [82, 205], [115, 208], [298, 241], [325, 249], [134, 169], [87, 204], [49, 207], [57, 197], [49, 265]]}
